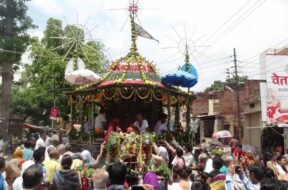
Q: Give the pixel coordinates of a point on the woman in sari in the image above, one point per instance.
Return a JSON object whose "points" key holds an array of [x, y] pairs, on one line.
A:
{"points": [[88, 160]]}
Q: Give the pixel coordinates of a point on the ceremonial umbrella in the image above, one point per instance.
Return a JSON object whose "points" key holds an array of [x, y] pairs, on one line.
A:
{"points": [[221, 134], [179, 78], [82, 76], [189, 68]]}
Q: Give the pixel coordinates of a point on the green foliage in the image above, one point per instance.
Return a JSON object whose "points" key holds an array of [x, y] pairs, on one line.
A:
{"points": [[113, 146], [113, 142], [46, 73], [216, 86], [230, 82], [72, 30], [217, 152], [32, 104], [88, 173], [14, 24], [149, 138], [95, 52], [74, 134], [52, 33], [163, 171]]}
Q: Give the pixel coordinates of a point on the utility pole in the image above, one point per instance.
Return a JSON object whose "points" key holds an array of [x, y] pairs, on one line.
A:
{"points": [[237, 94]]}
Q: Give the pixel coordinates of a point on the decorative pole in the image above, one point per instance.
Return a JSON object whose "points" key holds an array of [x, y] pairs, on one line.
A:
{"points": [[133, 9], [133, 48], [188, 119], [71, 110], [92, 121], [177, 125], [168, 111], [188, 102], [187, 61], [177, 114]]}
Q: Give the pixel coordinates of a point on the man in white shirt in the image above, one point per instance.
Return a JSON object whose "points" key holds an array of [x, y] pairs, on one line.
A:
{"points": [[161, 125], [41, 140], [48, 140], [17, 184], [188, 156], [141, 123], [208, 166], [100, 122]]}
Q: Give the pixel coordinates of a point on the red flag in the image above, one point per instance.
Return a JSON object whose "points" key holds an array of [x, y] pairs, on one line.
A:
{"points": [[53, 113]]}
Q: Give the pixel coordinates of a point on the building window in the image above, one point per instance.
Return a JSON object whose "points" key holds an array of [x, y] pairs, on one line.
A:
{"points": [[226, 127]]}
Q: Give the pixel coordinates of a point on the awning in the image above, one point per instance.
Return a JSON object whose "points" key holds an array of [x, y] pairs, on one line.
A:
{"points": [[204, 116], [30, 126]]}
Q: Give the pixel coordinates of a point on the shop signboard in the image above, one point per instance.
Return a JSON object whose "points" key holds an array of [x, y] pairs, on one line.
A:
{"points": [[277, 89]]}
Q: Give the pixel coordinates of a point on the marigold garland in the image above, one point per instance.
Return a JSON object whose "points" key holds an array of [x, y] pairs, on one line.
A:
{"points": [[113, 96], [126, 97], [155, 97], [144, 97]]}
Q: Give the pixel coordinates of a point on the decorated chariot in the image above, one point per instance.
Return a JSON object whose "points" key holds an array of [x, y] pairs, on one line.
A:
{"points": [[131, 85]]}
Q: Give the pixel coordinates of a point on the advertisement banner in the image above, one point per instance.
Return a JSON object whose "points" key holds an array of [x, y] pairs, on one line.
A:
{"points": [[277, 89]]}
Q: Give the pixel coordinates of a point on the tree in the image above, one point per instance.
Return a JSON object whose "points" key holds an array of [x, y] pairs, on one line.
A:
{"points": [[230, 82], [14, 24], [216, 86], [46, 73]]}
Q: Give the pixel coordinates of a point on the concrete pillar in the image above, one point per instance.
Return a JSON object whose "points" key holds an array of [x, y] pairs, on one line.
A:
{"points": [[286, 139], [201, 125]]}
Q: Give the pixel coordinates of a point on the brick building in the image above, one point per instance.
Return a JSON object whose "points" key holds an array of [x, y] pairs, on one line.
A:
{"points": [[218, 110]]}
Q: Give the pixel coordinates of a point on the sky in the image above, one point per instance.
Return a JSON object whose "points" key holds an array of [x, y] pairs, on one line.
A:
{"points": [[211, 28]]}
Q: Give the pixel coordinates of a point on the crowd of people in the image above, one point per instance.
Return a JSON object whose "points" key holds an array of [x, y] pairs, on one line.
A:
{"points": [[49, 163]]}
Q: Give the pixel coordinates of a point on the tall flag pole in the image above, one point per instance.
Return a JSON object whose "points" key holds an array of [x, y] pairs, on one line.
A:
{"points": [[136, 29], [187, 61]]}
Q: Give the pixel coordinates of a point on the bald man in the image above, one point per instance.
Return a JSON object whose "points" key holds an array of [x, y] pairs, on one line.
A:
{"points": [[62, 149], [100, 179]]}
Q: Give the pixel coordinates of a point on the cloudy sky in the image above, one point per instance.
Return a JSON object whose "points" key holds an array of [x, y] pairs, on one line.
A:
{"points": [[251, 26]]}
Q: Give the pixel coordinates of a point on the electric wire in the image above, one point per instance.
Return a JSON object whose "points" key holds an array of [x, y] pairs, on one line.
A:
{"points": [[227, 21], [246, 14]]}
